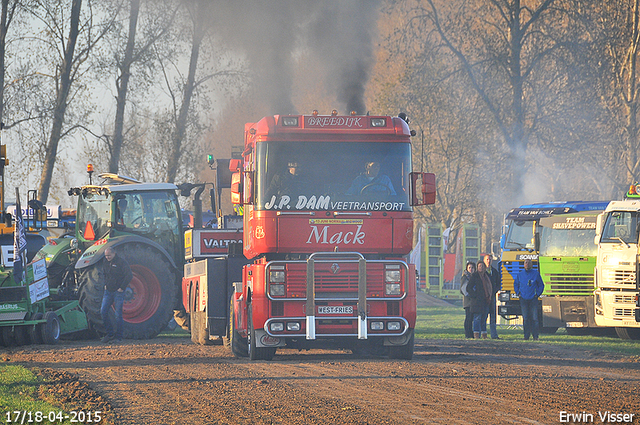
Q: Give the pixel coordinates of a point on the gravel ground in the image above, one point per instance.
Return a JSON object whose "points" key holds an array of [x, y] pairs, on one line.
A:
{"points": [[172, 381]]}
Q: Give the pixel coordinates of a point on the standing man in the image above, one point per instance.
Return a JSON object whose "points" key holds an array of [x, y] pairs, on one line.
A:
{"points": [[117, 275], [496, 284], [528, 286]]}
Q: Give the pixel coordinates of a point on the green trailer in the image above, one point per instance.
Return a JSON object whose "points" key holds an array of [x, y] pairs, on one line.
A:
{"points": [[30, 312]]}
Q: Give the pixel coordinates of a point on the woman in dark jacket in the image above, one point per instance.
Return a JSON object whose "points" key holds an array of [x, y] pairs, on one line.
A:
{"points": [[466, 300], [479, 290]]}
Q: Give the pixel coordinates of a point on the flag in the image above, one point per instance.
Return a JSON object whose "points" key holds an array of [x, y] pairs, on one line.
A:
{"points": [[19, 245]]}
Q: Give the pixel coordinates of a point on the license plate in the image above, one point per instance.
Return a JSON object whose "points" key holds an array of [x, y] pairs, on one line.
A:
{"points": [[335, 309], [575, 325]]}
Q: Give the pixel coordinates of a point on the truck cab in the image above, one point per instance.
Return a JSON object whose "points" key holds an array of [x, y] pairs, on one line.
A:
{"points": [[617, 268], [328, 204]]}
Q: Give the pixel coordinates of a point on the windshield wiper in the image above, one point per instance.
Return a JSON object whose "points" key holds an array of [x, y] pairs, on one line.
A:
{"points": [[622, 241]]}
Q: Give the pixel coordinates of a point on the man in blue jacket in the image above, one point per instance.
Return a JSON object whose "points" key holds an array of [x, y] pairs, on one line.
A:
{"points": [[528, 286]]}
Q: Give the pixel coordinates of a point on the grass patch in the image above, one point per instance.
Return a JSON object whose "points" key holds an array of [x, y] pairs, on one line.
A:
{"points": [[178, 332], [19, 389], [448, 323], [49, 396]]}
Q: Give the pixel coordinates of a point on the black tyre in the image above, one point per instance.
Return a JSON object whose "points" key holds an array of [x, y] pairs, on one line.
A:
{"points": [[51, 328], [198, 321], [257, 353], [403, 352], [6, 336], [199, 332], [238, 344], [628, 333], [36, 331], [149, 299], [21, 334]]}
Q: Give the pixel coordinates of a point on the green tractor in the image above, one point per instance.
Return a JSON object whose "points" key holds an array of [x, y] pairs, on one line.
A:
{"points": [[143, 223]]}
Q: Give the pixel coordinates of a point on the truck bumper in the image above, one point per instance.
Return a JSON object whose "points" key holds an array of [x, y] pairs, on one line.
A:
{"points": [[568, 311], [615, 309]]}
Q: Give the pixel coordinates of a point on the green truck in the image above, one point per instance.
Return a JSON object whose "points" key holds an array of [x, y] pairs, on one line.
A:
{"points": [[566, 261]]}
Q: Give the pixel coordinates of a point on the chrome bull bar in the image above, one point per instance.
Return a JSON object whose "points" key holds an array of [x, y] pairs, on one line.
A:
{"points": [[311, 289]]}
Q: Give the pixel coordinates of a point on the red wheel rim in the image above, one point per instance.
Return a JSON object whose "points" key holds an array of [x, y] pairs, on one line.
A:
{"points": [[147, 294]]}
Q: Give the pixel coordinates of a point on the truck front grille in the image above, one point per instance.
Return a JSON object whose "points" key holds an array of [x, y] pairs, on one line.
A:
{"points": [[626, 299], [327, 282], [567, 284], [618, 278], [623, 312]]}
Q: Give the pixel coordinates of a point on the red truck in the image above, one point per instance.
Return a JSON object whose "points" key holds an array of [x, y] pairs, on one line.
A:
{"points": [[327, 225]]}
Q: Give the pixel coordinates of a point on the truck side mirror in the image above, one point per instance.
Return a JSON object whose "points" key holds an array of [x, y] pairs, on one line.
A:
{"points": [[599, 223], [248, 187], [425, 193], [236, 188]]}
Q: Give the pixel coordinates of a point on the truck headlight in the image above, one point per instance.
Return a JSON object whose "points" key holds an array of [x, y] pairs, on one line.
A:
{"points": [[392, 289], [276, 276], [392, 275], [393, 326], [504, 296], [276, 327], [276, 290], [293, 326], [377, 326]]}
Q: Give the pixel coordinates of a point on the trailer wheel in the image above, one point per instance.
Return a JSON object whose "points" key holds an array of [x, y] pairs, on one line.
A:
{"points": [[238, 344], [628, 333], [257, 353], [403, 352], [50, 328], [199, 332], [198, 320], [36, 331], [149, 299], [6, 336], [21, 334]]}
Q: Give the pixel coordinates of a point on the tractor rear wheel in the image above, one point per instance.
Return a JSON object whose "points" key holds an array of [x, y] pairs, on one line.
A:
{"points": [[149, 299]]}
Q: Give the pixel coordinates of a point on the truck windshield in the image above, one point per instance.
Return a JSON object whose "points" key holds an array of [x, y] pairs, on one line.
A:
{"points": [[567, 242], [333, 176], [519, 235], [94, 208], [142, 212], [621, 226]]}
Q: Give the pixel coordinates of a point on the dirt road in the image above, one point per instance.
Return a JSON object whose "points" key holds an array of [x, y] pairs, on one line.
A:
{"points": [[172, 381]]}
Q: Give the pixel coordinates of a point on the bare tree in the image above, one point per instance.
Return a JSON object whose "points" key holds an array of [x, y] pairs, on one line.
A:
{"points": [[66, 73], [198, 13], [134, 54], [8, 11], [514, 47]]}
